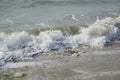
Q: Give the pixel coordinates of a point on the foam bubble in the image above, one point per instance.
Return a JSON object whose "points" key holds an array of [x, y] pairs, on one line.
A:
{"points": [[20, 45]]}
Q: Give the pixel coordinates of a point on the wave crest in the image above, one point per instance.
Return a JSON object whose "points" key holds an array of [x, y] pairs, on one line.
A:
{"points": [[22, 44]]}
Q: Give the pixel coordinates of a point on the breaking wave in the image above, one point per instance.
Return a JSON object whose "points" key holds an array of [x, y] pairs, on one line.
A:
{"points": [[21, 45]]}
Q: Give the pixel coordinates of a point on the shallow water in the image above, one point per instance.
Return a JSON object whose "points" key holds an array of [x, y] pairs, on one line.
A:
{"points": [[38, 38], [29, 27], [93, 64]]}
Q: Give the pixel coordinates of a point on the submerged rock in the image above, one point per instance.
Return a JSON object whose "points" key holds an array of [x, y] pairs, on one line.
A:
{"points": [[8, 74], [77, 54], [18, 75], [13, 75]]}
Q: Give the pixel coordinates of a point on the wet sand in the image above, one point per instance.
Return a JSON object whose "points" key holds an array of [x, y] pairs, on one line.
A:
{"points": [[90, 64]]}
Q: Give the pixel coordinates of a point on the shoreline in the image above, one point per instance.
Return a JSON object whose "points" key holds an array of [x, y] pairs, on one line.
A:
{"points": [[90, 64], [60, 40]]}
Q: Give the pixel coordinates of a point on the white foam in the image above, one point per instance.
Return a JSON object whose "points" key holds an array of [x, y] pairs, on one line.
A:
{"points": [[23, 45]]}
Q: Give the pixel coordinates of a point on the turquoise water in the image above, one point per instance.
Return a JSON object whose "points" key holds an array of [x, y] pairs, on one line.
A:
{"points": [[24, 14]]}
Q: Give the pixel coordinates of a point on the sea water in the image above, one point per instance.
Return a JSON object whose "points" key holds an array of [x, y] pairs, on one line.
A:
{"points": [[28, 27]]}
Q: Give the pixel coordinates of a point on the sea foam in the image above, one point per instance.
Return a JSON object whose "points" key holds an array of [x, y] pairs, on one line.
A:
{"points": [[22, 45]]}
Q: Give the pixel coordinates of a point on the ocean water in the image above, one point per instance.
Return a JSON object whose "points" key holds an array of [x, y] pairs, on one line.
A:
{"points": [[28, 27]]}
